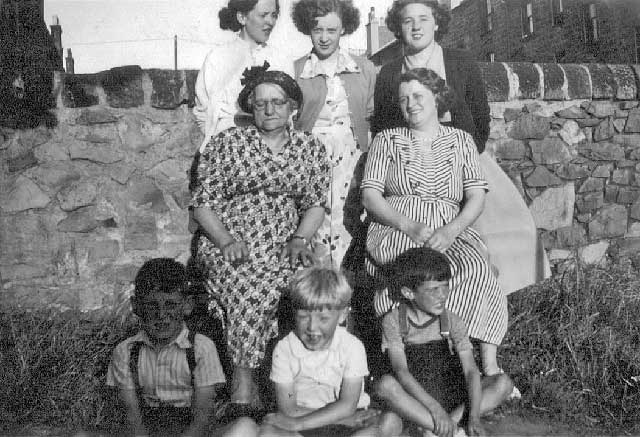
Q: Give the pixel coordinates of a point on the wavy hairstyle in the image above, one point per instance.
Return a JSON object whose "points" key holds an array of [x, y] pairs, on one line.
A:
{"points": [[429, 79], [305, 14], [229, 14], [440, 14]]}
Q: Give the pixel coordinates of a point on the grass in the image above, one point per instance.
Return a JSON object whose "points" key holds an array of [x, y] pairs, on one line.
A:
{"points": [[571, 348]]}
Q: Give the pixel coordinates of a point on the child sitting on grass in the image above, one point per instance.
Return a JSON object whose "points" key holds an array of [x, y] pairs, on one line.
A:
{"points": [[435, 379], [319, 368], [166, 374]]}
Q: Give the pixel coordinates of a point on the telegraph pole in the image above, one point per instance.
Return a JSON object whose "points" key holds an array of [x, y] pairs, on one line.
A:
{"points": [[175, 52]]}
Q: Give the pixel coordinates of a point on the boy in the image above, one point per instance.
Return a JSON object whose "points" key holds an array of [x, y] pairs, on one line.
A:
{"points": [[436, 379], [166, 374], [319, 368]]}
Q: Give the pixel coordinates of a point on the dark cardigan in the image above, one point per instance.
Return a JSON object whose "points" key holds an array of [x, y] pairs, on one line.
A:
{"points": [[470, 111]]}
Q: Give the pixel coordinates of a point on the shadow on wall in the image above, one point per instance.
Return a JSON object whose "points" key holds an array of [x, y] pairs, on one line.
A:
{"points": [[28, 59]]}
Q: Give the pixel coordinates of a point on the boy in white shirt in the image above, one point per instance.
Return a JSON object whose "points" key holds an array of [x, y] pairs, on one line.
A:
{"points": [[319, 368]]}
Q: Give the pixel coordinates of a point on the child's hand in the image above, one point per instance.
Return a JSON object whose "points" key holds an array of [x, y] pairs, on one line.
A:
{"points": [[360, 419], [474, 427], [281, 421], [442, 423]]}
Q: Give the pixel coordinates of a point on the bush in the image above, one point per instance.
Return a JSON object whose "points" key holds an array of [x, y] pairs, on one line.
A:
{"points": [[572, 346]]}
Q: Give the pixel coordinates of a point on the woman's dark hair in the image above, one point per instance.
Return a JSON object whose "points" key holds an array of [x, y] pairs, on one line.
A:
{"points": [[164, 275], [441, 16], [257, 75], [429, 79], [305, 14], [417, 265], [229, 14]]}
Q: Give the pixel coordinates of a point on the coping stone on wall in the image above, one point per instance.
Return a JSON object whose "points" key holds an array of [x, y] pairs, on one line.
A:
{"points": [[528, 79], [190, 79], [166, 88], [578, 81], [554, 81], [496, 81], [80, 90], [603, 85], [123, 86], [626, 82]]}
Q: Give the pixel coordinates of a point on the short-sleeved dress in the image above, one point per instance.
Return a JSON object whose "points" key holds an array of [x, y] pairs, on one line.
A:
{"points": [[260, 197], [429, 187]]}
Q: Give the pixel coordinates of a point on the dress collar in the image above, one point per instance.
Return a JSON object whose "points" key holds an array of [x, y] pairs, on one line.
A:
{"points": [[313, 67]]}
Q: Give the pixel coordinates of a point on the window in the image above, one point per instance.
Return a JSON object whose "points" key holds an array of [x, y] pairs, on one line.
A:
{"points": [[557, 12], [591, 23], [526, 16], [491, 57]]}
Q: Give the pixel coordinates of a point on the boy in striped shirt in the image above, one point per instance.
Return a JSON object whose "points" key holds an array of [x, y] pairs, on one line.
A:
{"points": [[166, 375]]}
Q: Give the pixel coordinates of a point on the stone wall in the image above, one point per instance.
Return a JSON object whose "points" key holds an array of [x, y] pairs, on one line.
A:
{"points": [[83, 204]]}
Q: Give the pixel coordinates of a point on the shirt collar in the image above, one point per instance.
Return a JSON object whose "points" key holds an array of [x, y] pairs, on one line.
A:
{"points": [[182, 340], [247, 45], [313, 67], [299, 351]]}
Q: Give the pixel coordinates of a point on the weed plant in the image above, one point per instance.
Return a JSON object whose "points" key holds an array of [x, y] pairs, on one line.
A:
{"points": [[572, 347]]}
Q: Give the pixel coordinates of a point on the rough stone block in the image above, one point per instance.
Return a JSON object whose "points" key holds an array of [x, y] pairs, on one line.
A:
{"points": [[589, 202], [629, 246], [123, 86], [591, 184], [611, 193], [622, 176], [190, 77], [496, 81], [603, 151], [600, 109], [139, 133], [627, 195], [508, 149], [625, 79], [80, 220], [80, 90], [571, 133], [602, 171], [166, 88], [102, 153], [120, 172], [603, 84], [92, 116], [553, 82], [51, 151], [573, 171], [572, 113], [141, 233], [530, 126], [511, 114], [171, 170], [553, 208], [605, 130], [595, 253], [609, 222], [578, 81], [528, 79], [22, 194], [619, 124], [141, 191], [568, 237], [77, 194], [22, 162], [52, 176], [633, 122], [551, 150], [541, 177]]}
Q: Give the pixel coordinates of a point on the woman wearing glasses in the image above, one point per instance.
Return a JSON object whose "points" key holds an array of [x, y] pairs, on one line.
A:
{"points": [[259, 196]]}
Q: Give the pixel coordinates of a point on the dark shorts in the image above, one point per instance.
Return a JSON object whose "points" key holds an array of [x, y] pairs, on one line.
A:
{"points": [[166, 419]]}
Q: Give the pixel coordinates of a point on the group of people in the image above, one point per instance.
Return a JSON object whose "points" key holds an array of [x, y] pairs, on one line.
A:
{"points": [[318, 178]]}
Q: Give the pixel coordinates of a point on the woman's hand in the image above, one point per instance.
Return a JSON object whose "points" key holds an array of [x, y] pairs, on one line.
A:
{"points": [[474, 427], [442, 238], [297, 248], [235, 251], [281, 421], [443, 426], [418, 232]]}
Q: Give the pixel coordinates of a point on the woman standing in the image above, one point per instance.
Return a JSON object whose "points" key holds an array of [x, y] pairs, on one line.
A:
{"points": [[218, 83], [338, 101], [258, 198], [507, 226]]}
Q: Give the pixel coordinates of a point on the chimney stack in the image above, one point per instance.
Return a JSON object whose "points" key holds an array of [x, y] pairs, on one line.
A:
{"points": [[56, 34], [69, 62]]}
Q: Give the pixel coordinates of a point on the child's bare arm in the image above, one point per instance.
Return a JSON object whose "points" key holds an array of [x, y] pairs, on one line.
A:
{"points": [[474, 391], [442, 422], [130, 399], [201, 408], [288, 416]]}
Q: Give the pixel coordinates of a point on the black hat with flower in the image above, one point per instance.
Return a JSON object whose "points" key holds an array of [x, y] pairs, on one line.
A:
{"points": [[256, 75]]}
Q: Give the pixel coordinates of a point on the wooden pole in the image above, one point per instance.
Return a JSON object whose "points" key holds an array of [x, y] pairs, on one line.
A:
{"points": [[175, 52]]}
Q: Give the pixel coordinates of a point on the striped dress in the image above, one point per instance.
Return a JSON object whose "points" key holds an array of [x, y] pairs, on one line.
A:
{"points": [[428, 186]]}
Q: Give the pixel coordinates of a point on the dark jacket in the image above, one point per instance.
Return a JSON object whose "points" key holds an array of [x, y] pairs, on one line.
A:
{"points": [[470, 111]]}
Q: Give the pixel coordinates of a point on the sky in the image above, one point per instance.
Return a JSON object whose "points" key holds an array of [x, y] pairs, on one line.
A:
{"points": [[107, 33]]}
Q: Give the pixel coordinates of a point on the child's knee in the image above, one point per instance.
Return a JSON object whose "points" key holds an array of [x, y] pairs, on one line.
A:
{"points": [[390, 424], [242, 427], [387, 387]]}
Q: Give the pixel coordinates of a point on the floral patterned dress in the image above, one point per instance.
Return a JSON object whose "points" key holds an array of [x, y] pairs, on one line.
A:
{"points": [[260, 197]]}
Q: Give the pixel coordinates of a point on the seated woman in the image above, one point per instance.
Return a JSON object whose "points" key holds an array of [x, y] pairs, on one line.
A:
{"points": [[423, 186], [258, 198]]}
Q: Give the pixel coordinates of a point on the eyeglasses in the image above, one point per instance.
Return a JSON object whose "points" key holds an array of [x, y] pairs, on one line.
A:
{"points": [[276, 103]]}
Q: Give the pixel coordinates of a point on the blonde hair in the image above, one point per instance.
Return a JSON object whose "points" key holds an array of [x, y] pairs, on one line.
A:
{"points": [[318, 288]]}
